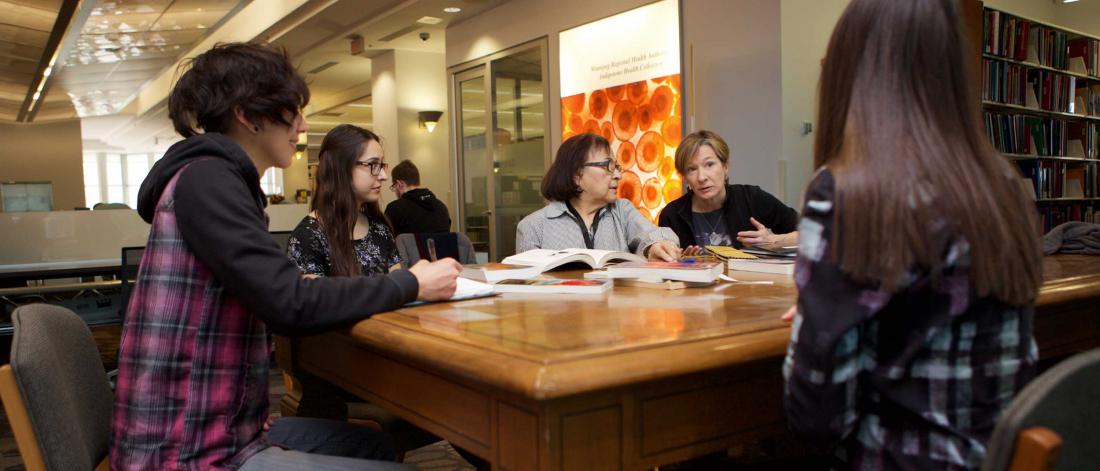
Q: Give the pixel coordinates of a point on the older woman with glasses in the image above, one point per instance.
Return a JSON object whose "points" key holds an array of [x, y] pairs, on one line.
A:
{"points": [[345, 233], [584, 210]]}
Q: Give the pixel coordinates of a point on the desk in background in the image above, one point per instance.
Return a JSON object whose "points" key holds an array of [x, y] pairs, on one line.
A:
{"points": [[632, 379]]}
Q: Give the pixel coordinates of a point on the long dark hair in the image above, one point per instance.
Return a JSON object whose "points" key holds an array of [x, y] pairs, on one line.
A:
{"points": [[900, 130], [334, 201]]}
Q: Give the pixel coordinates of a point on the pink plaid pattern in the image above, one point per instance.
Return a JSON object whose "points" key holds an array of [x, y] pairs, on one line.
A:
{"points": [[193, 365]]}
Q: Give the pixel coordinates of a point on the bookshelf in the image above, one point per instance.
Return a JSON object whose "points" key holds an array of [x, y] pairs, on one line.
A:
{"points": [[1041, 109]]}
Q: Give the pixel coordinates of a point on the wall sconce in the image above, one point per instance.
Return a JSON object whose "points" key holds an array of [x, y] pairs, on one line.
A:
{"points": [[428, 119]]}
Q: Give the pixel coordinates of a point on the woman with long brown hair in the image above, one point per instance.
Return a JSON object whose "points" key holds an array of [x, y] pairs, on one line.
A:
{"points": [[919, 253], [345, 233]]}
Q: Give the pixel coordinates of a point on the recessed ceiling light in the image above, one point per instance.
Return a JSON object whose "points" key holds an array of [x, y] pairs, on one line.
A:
{"points": [[429, 20], [452, 9]]}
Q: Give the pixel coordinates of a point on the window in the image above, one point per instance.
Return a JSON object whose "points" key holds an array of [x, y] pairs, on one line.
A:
{"points": [[272, 181], [115, 178]]}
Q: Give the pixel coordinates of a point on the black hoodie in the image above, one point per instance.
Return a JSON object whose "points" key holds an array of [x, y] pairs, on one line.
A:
{"points": [[219, 209], [418, 211]]}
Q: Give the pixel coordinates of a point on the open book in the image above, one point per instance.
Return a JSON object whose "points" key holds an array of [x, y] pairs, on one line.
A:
{"points": [[494, 272], [550, 259]]}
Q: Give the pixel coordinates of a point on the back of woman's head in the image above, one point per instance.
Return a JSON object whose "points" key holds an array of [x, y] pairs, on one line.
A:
{"points": [[899, 127], [254, 78], [334, 200]]}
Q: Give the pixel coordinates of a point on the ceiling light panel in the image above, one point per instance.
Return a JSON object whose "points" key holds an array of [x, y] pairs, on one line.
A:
{"points": [[124, 43]]}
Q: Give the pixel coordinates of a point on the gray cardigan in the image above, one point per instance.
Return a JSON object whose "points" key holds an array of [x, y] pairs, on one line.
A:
{"points": [[621, 227]]}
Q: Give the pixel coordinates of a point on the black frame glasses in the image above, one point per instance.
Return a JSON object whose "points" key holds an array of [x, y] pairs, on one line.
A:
{"points": [[610, 165], [374, 167]]}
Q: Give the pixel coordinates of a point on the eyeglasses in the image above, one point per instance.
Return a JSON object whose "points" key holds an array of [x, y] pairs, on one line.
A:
{"points": [[374, 166], [610, 165]]}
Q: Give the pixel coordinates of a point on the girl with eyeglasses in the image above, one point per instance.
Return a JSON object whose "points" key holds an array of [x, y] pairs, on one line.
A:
{"points": [[345, 233], [585, 210]]}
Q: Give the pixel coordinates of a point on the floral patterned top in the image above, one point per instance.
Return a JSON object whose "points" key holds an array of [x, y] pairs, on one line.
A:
{"points": [[913, 379], [308, 249]]}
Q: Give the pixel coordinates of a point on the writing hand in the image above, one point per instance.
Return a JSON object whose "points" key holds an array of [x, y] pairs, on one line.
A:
{"points": [[436, 279]]}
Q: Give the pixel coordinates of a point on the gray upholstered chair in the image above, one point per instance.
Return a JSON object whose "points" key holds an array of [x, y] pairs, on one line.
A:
{"points": [[412, 248], [55, 391], [1052, 422]]}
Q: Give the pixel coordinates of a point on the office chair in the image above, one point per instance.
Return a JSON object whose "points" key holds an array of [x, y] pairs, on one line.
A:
{"points": [[413, 247], [55, 391], [1058, 408]]}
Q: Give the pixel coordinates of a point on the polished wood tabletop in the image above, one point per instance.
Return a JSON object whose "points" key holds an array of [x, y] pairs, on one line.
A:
{"points": [[668, 373]]}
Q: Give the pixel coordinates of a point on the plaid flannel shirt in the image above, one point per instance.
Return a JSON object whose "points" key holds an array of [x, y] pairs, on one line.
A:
{"points": [[909, 380], [193, 364]]}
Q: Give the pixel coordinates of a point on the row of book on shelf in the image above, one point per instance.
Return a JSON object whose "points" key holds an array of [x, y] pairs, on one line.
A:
{"points": [[1023, 40], [1053, 214], [1061, 179], [523, 272], [1040, 89], [1033, 135]]}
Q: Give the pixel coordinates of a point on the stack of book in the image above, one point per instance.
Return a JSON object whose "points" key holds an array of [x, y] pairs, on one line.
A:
{"points": [[759, 260]]}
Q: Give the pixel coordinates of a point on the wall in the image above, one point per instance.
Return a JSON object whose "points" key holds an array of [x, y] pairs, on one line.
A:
{"points": [[45, 152], [806, 28], [403, 84], [423, 87], [734, 80], [737, 72]]}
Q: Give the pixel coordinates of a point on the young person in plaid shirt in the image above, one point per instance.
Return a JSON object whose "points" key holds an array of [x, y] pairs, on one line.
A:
{"points": [[212, 285], [918, 257]]}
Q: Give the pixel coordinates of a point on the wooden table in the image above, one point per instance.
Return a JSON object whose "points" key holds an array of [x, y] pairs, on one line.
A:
{"points": [[627, 380]]}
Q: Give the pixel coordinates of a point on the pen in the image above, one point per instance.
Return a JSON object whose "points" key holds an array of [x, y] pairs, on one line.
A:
{"points": [[431, 250]]}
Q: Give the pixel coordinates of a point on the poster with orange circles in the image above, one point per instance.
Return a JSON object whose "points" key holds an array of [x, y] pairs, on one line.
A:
{"points": [[620, 78]]}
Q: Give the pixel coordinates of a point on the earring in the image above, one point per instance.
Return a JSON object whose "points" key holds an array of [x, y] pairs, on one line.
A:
{"points": [[256, 128]]}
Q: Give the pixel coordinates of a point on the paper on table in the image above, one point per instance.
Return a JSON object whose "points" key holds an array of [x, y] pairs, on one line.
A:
{"points": [[465, 289]]}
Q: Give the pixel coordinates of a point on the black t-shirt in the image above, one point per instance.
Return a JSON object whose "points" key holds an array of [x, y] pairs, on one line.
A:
{"points": [[742, 202]]}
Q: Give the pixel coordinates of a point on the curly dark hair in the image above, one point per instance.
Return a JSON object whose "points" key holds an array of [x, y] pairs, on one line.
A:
{"points": [[255, 78]]}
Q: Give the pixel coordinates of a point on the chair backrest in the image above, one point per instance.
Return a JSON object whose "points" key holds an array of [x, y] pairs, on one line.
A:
{"points": [[412, 247], [282, 237], [55, 390], [1064, 400], [127, 273]]}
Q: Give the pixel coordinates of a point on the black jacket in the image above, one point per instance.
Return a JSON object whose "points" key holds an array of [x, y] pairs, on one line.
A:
{"points": [[219, 209], [418, 211], [742, 202]]}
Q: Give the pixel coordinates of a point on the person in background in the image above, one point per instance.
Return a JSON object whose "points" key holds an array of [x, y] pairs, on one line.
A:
{"points": [[584, 210], [213, 285], [918, 264], [416, 210], [345, 233], [713, 212]]}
